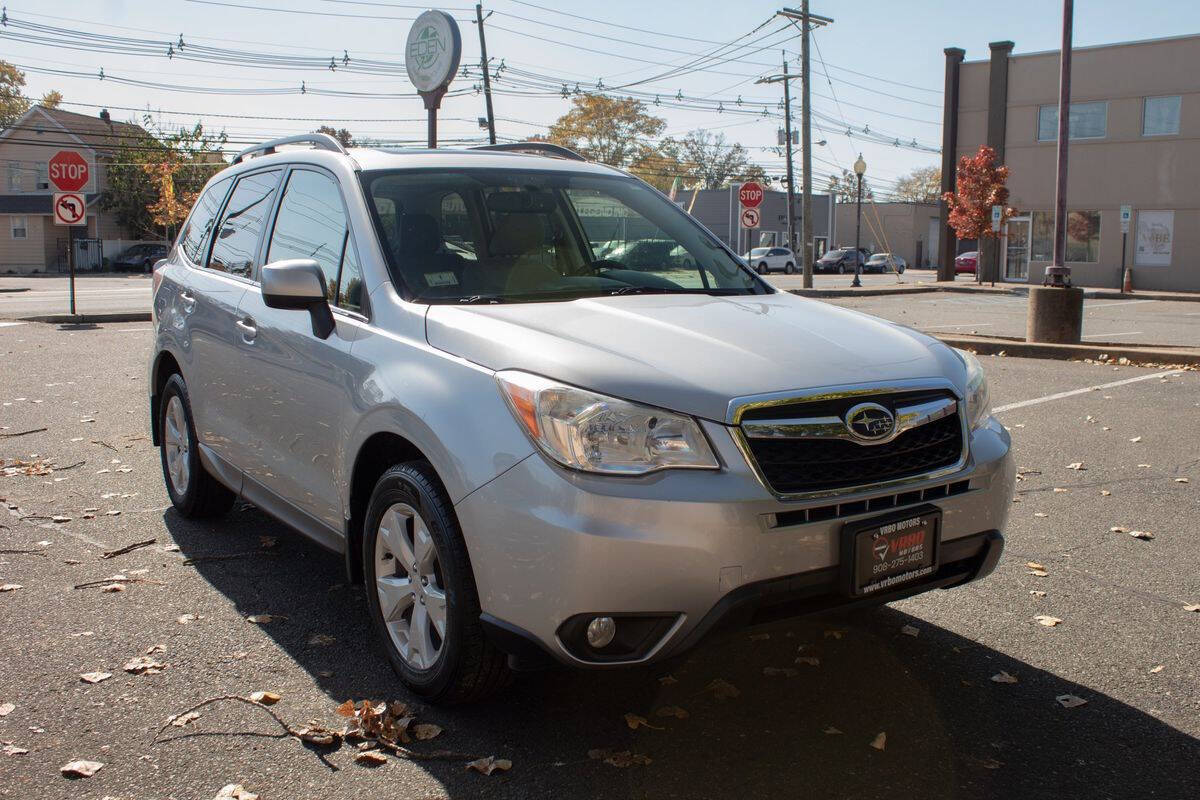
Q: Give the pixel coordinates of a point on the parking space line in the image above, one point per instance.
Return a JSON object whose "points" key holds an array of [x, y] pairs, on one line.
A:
{"points": [[965, 325], [10, 324], [1118, 303], [1060, 395], [1098, 335]]}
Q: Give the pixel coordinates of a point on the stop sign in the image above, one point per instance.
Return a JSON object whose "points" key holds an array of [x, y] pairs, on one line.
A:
{"points": [[68, 171], [751, 194]]}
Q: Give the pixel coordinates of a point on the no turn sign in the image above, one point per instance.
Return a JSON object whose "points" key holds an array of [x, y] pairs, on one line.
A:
{"points": [[750, 217], [70, 208]]}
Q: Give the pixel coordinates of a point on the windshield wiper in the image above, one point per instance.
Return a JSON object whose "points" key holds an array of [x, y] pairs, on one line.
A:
{"points": [[477, 299], [641, 290]]}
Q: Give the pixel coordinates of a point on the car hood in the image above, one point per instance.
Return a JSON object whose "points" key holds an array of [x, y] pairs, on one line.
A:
{"points": [[690, 353]]}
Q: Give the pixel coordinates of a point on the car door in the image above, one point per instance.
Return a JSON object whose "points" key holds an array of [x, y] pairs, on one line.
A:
{"points": [[204, 308], [296, 426]]}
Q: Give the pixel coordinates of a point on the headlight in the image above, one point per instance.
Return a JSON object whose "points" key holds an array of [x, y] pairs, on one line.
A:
{"points": [[592, 432], [979, 405]]}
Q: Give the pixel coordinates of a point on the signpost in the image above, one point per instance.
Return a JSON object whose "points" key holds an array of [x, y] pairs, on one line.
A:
{"points": [[70, 208], [68, 171], [997, 215], [1126, 216], [431, 57]]}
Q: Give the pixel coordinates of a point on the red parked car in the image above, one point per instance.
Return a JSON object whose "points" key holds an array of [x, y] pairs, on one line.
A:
{"points": [[965, 262]]}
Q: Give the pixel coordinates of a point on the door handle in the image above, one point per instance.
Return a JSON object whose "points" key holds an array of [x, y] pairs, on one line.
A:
{"points": [[188, 300], [248, 328]]}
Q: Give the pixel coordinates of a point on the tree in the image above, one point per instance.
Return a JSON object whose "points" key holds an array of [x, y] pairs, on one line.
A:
{"points": [[51, 99], [845, 188], [610, 130], [709, 160], [342, 135], [922, 185], [979, 186], [12, 96], [151, 177]]}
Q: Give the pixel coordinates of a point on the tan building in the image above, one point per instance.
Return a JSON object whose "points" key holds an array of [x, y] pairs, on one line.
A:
{"points": [[908, 230], [1135, 141], [29, 239]]}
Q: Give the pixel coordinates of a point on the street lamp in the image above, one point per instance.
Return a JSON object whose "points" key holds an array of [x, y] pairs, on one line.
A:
{"points": [[860, 167]]}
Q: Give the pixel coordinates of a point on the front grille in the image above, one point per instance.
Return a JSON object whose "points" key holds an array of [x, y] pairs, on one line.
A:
{"points": [[796, 466]]}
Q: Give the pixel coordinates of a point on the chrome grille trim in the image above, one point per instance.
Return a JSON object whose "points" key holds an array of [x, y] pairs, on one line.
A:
{"points": [[907, 418]]}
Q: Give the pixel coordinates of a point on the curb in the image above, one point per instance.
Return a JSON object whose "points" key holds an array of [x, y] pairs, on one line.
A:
{"points": [[81, 319], [14, 290], [1151, 354]]}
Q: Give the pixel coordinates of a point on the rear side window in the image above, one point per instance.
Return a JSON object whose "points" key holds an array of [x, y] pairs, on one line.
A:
{"points": [[194, 239], [311, 223], [236, 246]]}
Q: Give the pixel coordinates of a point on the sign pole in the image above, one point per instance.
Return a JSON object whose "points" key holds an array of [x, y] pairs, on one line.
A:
{"points": [[433, 101], [431, 58], [71, 264]]}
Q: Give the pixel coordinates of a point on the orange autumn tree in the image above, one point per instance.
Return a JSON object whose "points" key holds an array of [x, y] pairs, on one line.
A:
{"points": [[172, 207], [979, 186]]}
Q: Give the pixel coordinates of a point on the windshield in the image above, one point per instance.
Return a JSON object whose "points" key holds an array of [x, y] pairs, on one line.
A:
{"points": [[492, 235], [833, 254], [759, 251]]}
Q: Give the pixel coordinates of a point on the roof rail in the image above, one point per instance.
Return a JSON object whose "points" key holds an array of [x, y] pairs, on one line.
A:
{"points": [[543, 148], [322, 141]]}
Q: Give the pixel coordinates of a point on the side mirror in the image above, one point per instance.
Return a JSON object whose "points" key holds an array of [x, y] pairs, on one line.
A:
{"points": [[298, 283]]}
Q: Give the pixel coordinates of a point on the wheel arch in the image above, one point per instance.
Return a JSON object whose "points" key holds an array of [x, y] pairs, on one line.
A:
{"points": [[165, 365]]}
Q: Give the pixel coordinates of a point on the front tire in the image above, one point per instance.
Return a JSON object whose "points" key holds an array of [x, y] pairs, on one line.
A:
{"points": [[789, 268], [421, 591], [841, 269], [194, 493], [762, 269]]}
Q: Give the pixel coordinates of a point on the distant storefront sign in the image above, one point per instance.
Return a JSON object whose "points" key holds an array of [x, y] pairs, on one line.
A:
{"points": [[1155, 231]]}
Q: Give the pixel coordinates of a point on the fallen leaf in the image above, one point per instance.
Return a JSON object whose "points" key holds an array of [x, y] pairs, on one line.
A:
{"points": [[1034, 565], [95, 677], [1003, 677], [80, 768], [758, 637], [910, 630], [171, 548], [235, 791], [1040, 514], [1181, 480], [722, 689], [1156, 670], [812, 661], [1118, 529], [1194, 607], [1060, 490], [1136, 439], [315, 734], [59, 518], [426, 731], [1141, 534], [184, 719], [184, 619], [260, 619], [786, 672], [1038, 573], [1048, 621], [321, 639], [346, 709], [880, 741], [634, 722], [13, 750], [266, 698], [1037, 593], [144, 665], [11, 587], [486, 766], [1105, 493], [1070, 700], [1076, 465], [832, 731], [672, 711], [6, 709], [112, 587], [1144, 466], [623, 758], [371, 758]]}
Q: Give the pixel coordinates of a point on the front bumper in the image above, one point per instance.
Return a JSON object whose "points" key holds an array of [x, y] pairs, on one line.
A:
{"points": [[700, 549]]}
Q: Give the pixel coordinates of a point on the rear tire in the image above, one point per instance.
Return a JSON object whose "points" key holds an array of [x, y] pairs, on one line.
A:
{"points": [[194, 493], [409, 515], [841, 269], [762, 269]]}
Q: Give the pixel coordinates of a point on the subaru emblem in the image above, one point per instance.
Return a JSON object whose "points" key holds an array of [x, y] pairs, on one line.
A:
{"points": [[870, 422]]}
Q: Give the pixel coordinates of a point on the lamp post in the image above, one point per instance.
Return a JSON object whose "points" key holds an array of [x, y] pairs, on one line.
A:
{"points": [[860, 167]]}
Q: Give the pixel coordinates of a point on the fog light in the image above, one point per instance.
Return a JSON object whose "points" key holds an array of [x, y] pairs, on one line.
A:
{"points": [[600, 631]]}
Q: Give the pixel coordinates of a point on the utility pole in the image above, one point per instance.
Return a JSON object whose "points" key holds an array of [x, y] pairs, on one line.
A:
{"points": [[807, 21], [787, 132], [487, 80]]}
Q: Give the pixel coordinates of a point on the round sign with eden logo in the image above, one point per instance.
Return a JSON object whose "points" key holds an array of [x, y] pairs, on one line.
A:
{"points": [[433, 50]]}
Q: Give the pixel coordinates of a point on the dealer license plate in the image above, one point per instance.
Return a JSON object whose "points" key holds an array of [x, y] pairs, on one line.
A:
{"points": [[888, 552]]}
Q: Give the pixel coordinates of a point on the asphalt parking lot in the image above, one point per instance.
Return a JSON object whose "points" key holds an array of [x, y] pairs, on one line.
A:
{"points": [[1126, 643]]}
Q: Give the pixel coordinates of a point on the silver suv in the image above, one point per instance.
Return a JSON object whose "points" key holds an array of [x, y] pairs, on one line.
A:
{"points": [[533, 455]]}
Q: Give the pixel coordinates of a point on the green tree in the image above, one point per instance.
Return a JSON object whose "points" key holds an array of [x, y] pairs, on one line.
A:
{"points": [[12, 94], [341, 134], [922, 185], [188, 157], [845, 187], [610, 130]]}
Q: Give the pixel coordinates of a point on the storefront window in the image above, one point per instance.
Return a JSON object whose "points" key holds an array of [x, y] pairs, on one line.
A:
{"points": [[1083, 236], [1087, 121]]}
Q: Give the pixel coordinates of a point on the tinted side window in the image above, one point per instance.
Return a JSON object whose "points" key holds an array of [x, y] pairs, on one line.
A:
{"points": [[193, 241], [311, 223], [236, 245]]}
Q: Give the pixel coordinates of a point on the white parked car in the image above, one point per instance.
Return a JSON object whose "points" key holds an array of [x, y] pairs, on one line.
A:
{"points": [[770, 259], [885, 262]]}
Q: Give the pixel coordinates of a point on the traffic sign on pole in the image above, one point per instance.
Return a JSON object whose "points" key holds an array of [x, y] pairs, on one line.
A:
{"points": [[70, 208], [750, 217], [1126, 215], [750, 195], [997, 215], [68, 171]]}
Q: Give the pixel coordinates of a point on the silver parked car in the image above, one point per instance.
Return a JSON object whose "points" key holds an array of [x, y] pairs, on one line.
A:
{"points": [[534, 455]]}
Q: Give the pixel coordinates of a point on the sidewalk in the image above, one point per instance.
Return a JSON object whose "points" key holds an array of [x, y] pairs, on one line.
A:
{"points": [[924, 287]]}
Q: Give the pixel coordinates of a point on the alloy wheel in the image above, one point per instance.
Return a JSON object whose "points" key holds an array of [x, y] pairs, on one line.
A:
{"points": [[177, 446], [408, 580]]}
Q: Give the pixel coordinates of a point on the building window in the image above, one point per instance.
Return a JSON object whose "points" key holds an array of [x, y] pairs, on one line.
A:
{"points": [[20, 227], [41, 181], [14, 176], [1083, 237], [1160, 116], [1086, 121]]}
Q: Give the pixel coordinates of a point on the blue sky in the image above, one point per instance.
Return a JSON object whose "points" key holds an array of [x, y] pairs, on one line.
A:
{"points": [[897, 48]]}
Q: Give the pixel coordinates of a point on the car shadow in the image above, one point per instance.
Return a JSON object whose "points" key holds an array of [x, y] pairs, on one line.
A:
{"points": [[792, 729]]}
